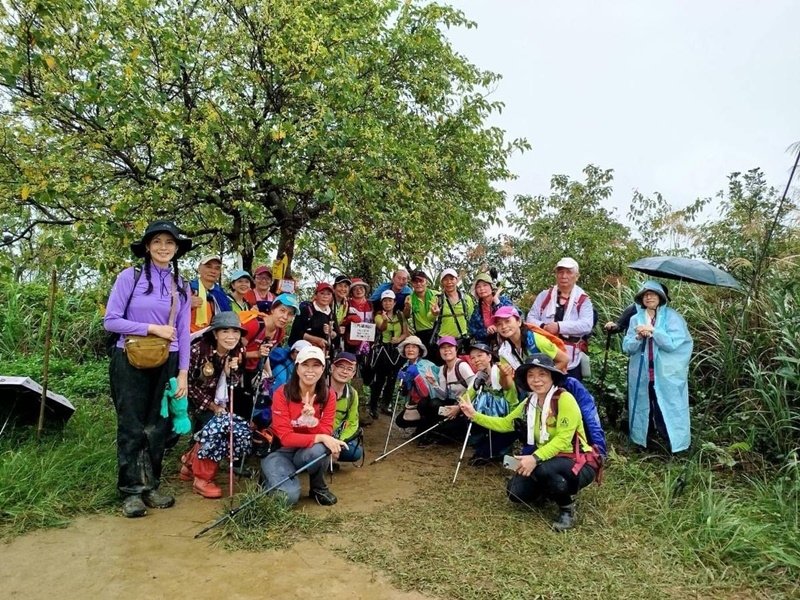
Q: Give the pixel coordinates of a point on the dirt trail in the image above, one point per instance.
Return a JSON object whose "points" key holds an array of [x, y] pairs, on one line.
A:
{"points": [[156, 556]]}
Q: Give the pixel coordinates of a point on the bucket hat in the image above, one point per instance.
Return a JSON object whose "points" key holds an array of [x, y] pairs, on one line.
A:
{"points": [[412, 339], [541, 361], [139, 248]]}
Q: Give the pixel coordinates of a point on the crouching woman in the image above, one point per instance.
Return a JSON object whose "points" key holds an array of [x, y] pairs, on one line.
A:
{"points": [[556, 460], [214, 368], [302, 419]]}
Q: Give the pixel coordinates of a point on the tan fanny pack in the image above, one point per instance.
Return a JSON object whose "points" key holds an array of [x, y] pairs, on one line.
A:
{"points": [[151, 351]]}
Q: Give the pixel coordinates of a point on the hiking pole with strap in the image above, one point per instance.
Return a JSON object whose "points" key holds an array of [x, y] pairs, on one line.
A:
{"points": [[632, 412], [463, 449], [233, 512], [391, 423], [408, 441]]}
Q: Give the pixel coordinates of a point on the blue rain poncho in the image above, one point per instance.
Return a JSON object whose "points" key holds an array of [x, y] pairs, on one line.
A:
{"points": [[672, 349]]}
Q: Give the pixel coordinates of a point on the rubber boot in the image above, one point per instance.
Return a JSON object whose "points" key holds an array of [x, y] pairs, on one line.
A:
{"points": [[186, 463], [566, 518], [205, 470]]}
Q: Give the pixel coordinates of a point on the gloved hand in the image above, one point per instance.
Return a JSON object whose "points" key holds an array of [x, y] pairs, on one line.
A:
{"points": [[480, 380]]}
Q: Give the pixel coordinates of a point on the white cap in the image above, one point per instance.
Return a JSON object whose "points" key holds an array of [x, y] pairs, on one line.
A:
{"points": [[308, 353], [567, 263], [208, 258], [447, 272], [299, 345], [388, 294]]}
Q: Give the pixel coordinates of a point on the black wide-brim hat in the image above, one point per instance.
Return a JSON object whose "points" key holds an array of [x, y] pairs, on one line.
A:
{"points": [[139, 248], [541, 361]]}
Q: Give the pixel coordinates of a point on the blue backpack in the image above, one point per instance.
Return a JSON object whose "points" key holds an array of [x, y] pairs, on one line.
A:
{"points": [[591, 419]]}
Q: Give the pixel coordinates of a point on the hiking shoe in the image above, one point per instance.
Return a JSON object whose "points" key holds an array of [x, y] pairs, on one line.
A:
{"points": [[132, 506], [186, 473], [373, 413], [479, 461], [207, 489], [566, 518], [155, 499], [323, 496], [386, 410]]}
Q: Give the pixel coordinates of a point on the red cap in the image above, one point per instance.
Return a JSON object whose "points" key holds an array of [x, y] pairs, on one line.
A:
{"points": [[322, 286]]}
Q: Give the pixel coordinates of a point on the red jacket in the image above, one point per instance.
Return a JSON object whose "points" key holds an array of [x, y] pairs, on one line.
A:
{"points": [[255, 332], [285, 414]]}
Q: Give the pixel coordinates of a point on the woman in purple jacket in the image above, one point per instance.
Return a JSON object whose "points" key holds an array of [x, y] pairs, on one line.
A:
{"points": [[139, 304]]}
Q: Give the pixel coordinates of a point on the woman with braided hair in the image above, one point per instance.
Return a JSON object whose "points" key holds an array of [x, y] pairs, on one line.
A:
{"points": [[150, 301]]}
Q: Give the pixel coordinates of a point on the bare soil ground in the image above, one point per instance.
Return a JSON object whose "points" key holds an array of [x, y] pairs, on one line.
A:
{"points": [[108, 556]]}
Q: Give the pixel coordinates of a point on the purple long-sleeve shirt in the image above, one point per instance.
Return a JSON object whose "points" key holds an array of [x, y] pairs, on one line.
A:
{"points": [[146, 309]]}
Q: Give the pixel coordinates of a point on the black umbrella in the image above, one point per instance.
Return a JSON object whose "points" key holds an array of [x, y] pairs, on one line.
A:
{"points": [[686, 269]]}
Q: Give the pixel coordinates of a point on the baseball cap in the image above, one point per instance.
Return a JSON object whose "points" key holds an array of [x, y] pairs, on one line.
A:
{"points": [[322, 286], [388, 294], [308, 353], [447, 272], [447, 339], [287, 300], [262, 269], [567, 263], [208, 258], [342, 279], [505, 312], [345, 357], [299, 345]]}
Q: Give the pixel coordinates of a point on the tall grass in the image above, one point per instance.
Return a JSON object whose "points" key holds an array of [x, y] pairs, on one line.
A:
{"points": [[70, 472]]}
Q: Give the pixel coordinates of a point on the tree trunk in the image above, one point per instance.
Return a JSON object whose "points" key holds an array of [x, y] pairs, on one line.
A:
{"points": [[286, 245]]}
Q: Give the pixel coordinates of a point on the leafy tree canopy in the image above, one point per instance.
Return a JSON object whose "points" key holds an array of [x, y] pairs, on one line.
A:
{"points": [[248, 122]]}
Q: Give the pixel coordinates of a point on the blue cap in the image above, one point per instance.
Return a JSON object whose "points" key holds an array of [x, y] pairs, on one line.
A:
{"points": [[287, 300], [239, 274]]}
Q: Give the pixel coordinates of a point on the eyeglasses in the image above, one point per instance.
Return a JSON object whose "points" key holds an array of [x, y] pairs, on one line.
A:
{"points": [[346, 369]]}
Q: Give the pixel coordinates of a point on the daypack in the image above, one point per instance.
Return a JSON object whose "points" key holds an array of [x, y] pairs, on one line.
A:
{"points": [[459, 376], [581, 299], [546, 334]]}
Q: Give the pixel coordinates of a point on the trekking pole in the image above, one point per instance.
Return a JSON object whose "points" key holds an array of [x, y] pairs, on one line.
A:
{"points": [[632, 412], [408, 441], [605, 359], [233, 512], [230, 439], [463, 449], [48, 334], [391, 423]]}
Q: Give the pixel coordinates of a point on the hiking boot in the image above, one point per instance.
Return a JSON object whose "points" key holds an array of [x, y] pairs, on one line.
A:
{"points": [[374, 414], [479, 461], [155, 499], [186, 473], [207, 489], [566, 518], [132, 506], [323, 496], [386, 410]]}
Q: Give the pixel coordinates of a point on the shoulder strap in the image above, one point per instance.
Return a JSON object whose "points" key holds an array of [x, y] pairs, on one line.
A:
{"points": [[459, 376], [554, 402], [137, 273], [453, 312], [173, 308], [581, 299], [546, 300]]}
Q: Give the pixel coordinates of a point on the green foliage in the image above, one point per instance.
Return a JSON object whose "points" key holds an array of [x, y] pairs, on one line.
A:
{"points": [[78, 332], [569, 222], [245, 121]]}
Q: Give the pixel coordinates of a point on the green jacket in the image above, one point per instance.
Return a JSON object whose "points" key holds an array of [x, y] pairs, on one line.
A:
{"points": [[345, 423], [561, 427]]}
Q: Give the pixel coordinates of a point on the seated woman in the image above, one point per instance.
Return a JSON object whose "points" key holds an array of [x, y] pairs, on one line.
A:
{"points": [[517, 343], [660, 347], [455, 376], [493, 394], [414, 386], [556, 460], [303, 411], [214, 364]]}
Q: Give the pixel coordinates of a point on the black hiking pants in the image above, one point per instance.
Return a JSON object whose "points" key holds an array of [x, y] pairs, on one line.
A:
{"points": [[552, 479], [141, 430]]}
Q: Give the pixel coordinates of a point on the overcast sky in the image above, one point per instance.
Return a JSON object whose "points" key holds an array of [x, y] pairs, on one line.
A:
{"points": [[673, 95]]}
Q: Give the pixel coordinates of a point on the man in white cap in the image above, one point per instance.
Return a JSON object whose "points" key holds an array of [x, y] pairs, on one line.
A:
{"points": [[455, 308], [208, 297], [566, 310]]}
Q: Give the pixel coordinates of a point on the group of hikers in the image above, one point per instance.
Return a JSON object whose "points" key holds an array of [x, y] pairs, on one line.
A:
{"points": [[259, 373]]}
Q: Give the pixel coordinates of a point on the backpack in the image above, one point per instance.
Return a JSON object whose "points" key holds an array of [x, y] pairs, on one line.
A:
{"points": [[113, 338], [459, 376], [595, 435], [581, 299]]}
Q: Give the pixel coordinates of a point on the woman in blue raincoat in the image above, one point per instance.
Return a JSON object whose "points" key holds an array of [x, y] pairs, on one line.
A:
{"points": [[660, 347]]}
